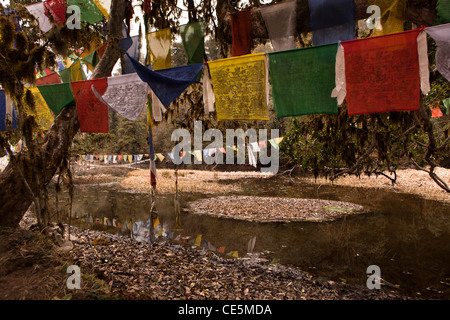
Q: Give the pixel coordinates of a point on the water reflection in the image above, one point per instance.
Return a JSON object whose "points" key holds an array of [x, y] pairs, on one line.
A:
{"points": [[407, 237]]}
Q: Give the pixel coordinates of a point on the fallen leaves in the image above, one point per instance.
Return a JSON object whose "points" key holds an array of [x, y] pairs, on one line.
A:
{"points": [[273, 209]]}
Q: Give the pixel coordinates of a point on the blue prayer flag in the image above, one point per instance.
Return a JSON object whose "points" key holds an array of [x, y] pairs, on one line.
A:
{"points": [[7, 113], [167, 84], [332, 20], [130, 45]]}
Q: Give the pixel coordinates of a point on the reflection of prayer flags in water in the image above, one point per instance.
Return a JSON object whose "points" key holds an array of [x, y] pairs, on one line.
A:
{"points": [[156, 222], [282, 35], [168, 84], [192, 37], [241, 31], [392, 15], [240, 88], [198, 240], [390, 84], [159, 49], [332, 20], [441, 34], [92, 113], [302, 81], [251, 244], [7, 113], [126, 94]]}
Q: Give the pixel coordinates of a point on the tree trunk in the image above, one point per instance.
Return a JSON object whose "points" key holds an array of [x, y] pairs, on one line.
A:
{"points": [[15, 197]]}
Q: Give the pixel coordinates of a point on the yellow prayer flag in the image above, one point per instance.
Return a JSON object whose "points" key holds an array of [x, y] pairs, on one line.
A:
{"points": [[278, 140], [235, 254], [392, 16], [198, 155], [130, 158], [159, 232], [42, 114], [104, 6], [105, 158], [240, 88], [160, 156], [159, 48], [155, 222], [76, 72], [198, 240]]}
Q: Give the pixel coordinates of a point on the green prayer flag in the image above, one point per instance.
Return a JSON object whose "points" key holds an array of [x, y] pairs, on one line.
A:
{"points": [[193, 38], [446, 103], [65, 75], [442, 12], [302, 81], [92, 58], [57, 96], [90, 13]]}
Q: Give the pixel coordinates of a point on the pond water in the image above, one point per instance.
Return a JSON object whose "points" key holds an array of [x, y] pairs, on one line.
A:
{"points": [[407, 237]]}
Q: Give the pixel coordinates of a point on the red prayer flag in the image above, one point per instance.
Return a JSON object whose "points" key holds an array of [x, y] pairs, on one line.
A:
{"points": [[101, 50], [382, 73], [50, 79], [58, 10], [436, 112], [241, 31], [92, 113]]}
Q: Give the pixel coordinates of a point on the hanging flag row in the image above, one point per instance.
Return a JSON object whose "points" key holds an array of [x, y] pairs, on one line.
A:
{"points": [[376, 74], [199, 154], [51, 12]]}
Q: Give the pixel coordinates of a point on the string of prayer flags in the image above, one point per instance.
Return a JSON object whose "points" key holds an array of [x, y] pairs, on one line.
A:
{"points": [[53, 78], [442, 12], [38, 10], [57, 8], [383, 74], [192, 37], [57, 96], [125, 94], [241, 32], [90, 13], [208, 92], [159, 49], [302, 80], [169, 83], [281, 35], [332, 20], [441, 34], [239, 87], [41, 112], [392, 16], [130, 45], [92, 113], [8, 115], [104, 6]]}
